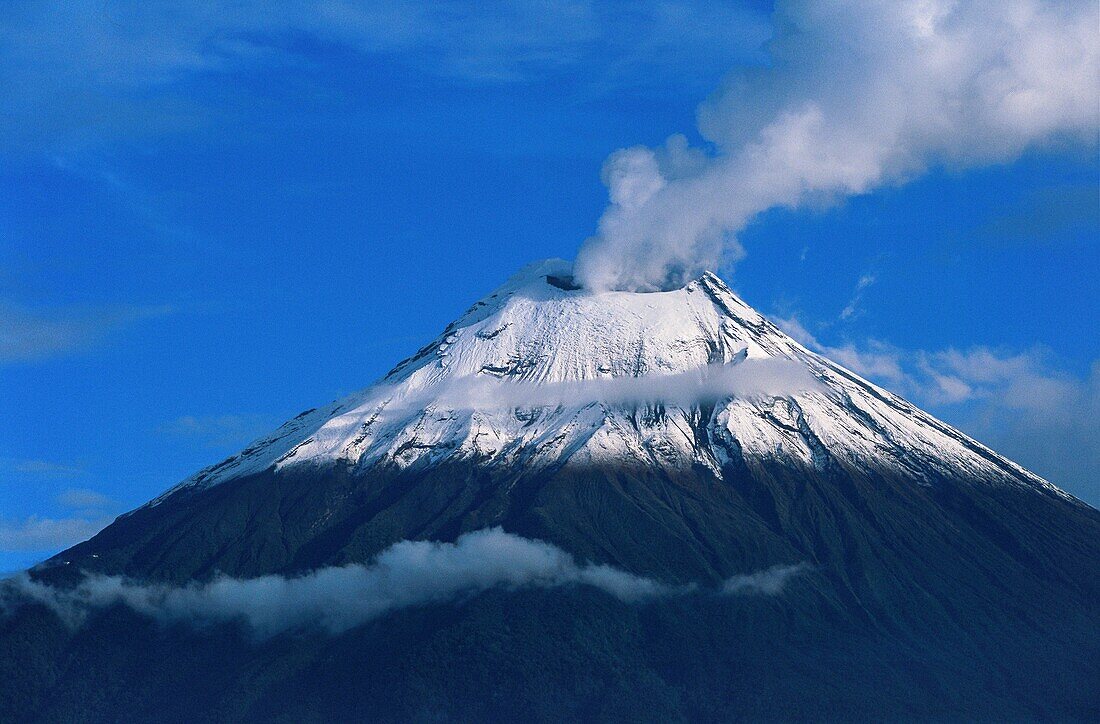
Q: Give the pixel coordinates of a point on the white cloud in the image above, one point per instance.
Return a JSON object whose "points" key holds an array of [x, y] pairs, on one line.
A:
{"points": [[409, 573], [875, 360], [31, 334], [1039, 416], [859, 94]]}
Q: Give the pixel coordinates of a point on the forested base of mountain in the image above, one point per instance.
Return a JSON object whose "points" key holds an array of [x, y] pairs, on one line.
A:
{"points": [[553, 654]]}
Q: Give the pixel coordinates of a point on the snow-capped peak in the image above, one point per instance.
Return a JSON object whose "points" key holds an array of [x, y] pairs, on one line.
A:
{"points": [[537, 327], [542, 373]]}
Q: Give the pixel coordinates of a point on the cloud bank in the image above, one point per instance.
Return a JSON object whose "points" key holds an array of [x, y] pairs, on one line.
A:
{"points": [[409, 573], [1024, 404], [859, 94]]}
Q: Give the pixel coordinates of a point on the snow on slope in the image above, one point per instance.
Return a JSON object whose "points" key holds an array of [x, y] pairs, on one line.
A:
{"points": [[541, 374]]}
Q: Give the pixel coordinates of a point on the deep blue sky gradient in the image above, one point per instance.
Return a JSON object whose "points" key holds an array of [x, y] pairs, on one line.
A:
{"points": [[250, 243]]}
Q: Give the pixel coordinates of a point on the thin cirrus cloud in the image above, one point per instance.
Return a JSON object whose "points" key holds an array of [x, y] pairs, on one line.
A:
{"points": [[31, 334], [89, 71], [218, 431], [335, 599], [859, 95], [85, 499], [852, 309], [1021, 403], [43, 469]]}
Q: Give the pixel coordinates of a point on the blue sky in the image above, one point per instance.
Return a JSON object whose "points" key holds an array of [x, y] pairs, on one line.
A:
{"points": [[209, 223]]}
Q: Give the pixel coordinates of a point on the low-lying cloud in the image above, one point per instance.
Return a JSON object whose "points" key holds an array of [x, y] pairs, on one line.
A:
{"points": [[768, 582], [858, 95], [409, 573]]}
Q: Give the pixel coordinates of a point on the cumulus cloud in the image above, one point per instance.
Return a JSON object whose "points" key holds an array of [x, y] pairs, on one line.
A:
{"points": [[1023, 404], [1036, 414], [873, 359], [858, 95], [409, 573]]}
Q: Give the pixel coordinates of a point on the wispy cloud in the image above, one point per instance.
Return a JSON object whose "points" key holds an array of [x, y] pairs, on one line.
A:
{"points": [[1023, 404], [85, 513], [85, 498], [37, 533], [768, 582], [852, 308], [39, 468], [409, 573], [29, 334], [84, 72], [218, 430]]}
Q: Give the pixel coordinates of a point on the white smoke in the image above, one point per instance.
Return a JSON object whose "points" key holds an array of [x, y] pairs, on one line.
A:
{"points": [[859, 94], [409, 573]]}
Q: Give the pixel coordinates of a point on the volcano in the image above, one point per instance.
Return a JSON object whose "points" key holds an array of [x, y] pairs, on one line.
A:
{"points": [[676, 437]]}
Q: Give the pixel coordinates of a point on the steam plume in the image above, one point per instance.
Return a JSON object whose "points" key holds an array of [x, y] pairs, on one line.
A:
{"points": [[860, 94]]}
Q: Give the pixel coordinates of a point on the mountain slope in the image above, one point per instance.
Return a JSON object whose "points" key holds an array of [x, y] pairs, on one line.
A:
{"points": [[675, 435], [700, 411], [542, 374]]}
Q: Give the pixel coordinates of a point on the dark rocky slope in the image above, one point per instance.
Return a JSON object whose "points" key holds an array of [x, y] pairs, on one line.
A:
{"points": [[941, 581]]}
